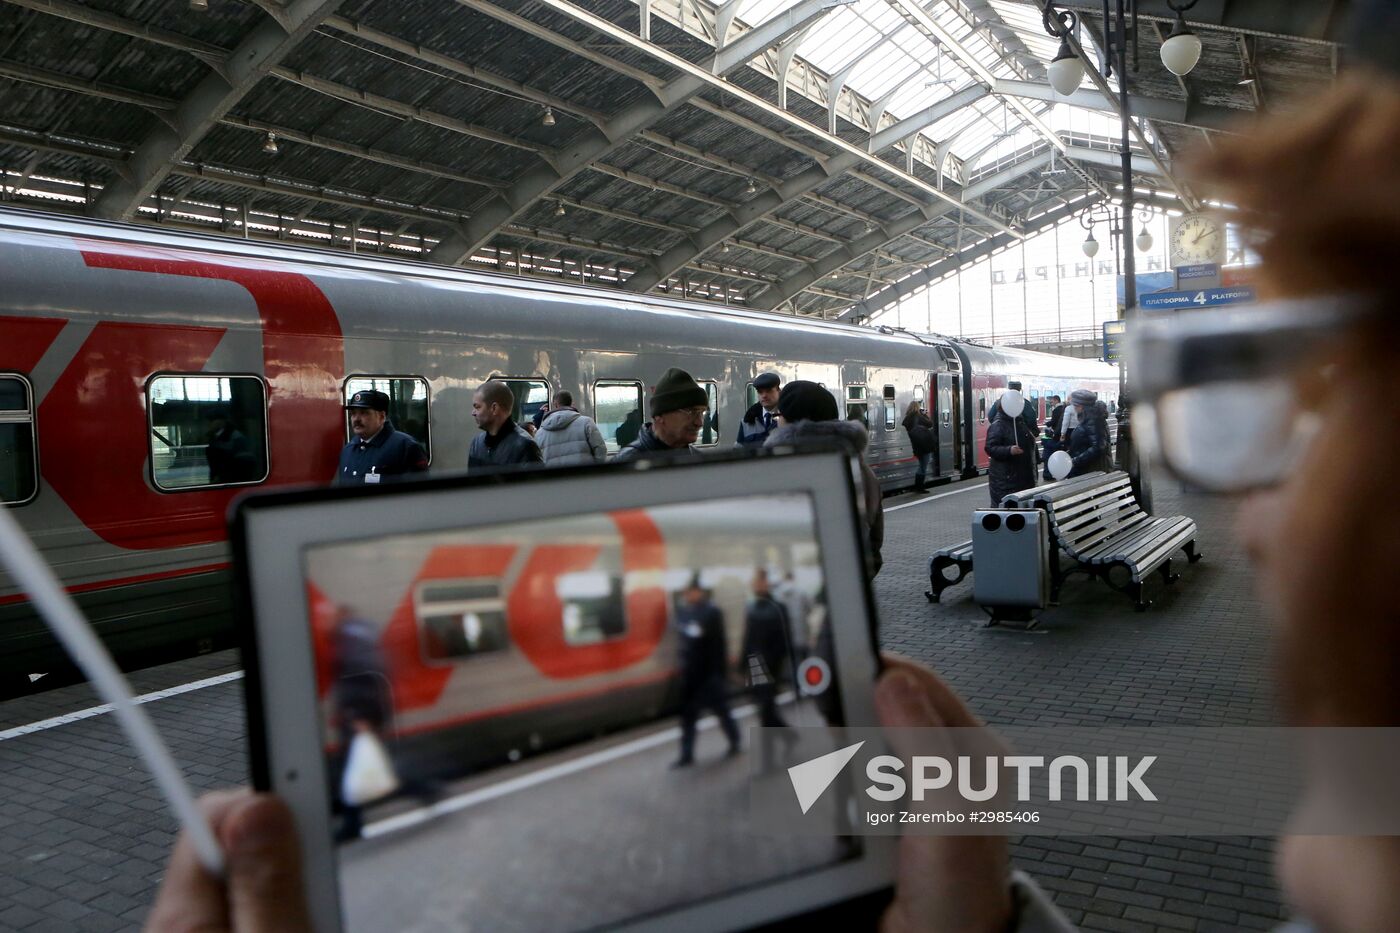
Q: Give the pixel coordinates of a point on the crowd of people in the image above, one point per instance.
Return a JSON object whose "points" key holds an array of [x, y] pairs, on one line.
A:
{"points": [[1079, 427]]}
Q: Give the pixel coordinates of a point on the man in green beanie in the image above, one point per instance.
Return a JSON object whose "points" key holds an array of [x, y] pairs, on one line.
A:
{"points": [[678, 409]]}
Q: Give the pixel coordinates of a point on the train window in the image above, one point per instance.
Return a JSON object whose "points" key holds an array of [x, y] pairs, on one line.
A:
{"points": [[750, 397], [709, 432], [594, 607], [982, 408], [408, 404], [857, 408], [460, 618], [918, 393], [889, 407], [207, 431], [617, 409], [19, 459], [530, 396]]}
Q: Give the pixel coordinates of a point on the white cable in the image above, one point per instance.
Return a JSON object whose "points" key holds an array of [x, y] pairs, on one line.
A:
{"points": [[34, 576]]}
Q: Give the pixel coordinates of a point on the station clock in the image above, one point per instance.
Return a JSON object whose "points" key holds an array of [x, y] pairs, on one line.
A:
{"points": [[1197, 238]]}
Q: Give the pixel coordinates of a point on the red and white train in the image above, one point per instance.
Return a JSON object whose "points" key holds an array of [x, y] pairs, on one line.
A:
{"points": [[149, 376]]}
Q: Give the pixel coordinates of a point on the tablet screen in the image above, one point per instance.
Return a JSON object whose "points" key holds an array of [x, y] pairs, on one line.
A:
{"points": [[506, 711]]}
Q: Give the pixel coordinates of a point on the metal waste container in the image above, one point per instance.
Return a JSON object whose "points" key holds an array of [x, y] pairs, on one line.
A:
{"points": [[1010, 549]]}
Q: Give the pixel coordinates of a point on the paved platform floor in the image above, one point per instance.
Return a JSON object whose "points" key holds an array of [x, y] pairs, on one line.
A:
{"points": [[84, 836]]}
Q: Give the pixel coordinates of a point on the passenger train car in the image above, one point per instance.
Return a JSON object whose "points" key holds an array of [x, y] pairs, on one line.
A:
{"points": [[508, 639], [147, 377]]}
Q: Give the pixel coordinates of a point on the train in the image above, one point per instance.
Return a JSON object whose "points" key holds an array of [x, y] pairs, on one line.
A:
{"points": [[148, 376], [491, 644]]}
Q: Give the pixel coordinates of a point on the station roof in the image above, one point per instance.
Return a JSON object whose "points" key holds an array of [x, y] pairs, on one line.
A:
{"points": [[821, 153]]}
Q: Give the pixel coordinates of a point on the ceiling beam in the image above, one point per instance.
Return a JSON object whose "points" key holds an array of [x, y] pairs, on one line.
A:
{"points": [[691, 70], [287, 134], [32, 74], [211, 55], [595, 142], [787, 192], [373, 101], [154, 158], [1179, 112]]}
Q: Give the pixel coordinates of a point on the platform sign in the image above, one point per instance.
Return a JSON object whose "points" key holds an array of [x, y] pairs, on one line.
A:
{"points": [[1202, 275], [1113, 332], [1204, 298]]}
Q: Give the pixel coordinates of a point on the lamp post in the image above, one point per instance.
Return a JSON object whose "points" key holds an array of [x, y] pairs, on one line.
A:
{"points": [[1180, 53]]}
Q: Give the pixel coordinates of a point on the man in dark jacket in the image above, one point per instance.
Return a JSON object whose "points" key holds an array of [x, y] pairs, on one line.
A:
{"points": [[502, 441], [1011, 447], [762, 417], [767, 648], [678, 409], [229, 454], [378, 453], [704, 659], [1089, 444], [809, 411]]}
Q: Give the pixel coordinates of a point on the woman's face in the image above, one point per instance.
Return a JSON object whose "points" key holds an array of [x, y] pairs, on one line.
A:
{"points": [[1324, 546]]}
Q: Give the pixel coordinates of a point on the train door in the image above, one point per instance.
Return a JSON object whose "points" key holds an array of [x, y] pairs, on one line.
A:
{"points": [[946, 398]]}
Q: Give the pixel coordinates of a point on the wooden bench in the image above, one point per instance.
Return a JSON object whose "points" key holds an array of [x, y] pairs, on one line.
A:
{"points": [[1096, 521]]}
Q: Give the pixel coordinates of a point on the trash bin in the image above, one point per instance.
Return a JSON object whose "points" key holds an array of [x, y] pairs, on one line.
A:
{"points": [[1010, 549]]}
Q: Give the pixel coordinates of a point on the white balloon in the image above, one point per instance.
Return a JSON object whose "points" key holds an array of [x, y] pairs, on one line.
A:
{"points": [[1060, 464], [1013, 403]]}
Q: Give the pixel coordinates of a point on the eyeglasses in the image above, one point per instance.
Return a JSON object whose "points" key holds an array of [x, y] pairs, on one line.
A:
{"points": [[1228, 400], [694, 414]]}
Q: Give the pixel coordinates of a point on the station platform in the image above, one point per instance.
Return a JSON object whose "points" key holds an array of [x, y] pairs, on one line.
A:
{"points": [[84, 836]]}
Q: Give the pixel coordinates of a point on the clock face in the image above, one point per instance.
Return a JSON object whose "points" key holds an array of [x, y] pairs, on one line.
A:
{"points": [[1198, 238]]}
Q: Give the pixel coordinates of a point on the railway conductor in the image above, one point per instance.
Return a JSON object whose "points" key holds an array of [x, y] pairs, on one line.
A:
{"points": [[378, 453], [704, 659], [762, 417]]}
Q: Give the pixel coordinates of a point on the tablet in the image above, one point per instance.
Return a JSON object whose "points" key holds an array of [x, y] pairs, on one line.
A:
{"points": [[475, 692]]}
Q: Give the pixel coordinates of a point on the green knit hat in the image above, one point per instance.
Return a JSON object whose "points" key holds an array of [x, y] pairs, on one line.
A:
{"points": [[676, 390]]}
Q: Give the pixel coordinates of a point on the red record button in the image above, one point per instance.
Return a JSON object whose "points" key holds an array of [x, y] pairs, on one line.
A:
{"points": [[815, 676]]}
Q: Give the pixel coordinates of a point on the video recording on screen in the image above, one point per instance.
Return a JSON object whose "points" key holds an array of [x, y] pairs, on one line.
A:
{"points": [[545, 723]]}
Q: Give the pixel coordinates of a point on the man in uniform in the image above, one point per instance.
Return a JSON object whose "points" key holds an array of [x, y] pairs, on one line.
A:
{"points": [[703, 658], [678, 409], [501, 440], [378, 453], [762, 416]]}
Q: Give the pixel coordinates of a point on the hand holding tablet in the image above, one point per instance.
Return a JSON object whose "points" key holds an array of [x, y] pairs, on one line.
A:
{"points": [[523, 653]]}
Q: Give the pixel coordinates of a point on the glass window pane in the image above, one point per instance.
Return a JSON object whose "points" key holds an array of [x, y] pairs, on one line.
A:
{"points": [[889, 406], [617, 409], [594, 608], [857, 410], [460, 618], [530, 396], [19, 466], [709, 433], [750, 397], [207, 431], [18, 481], [14, 394], [408, 404]]}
